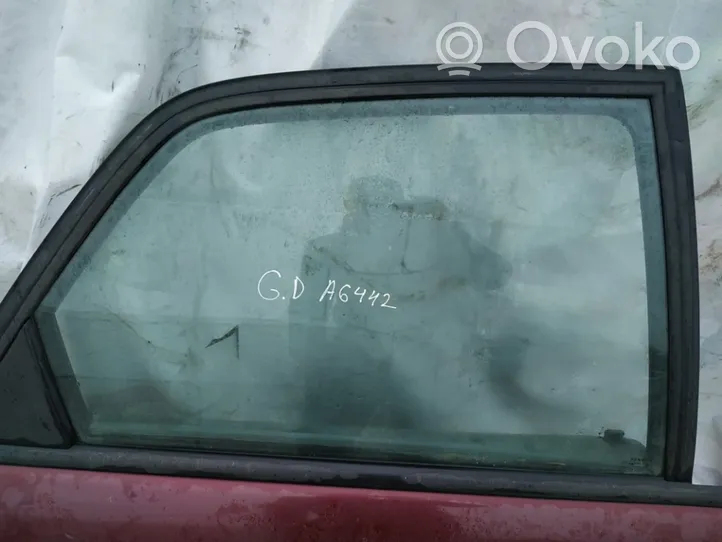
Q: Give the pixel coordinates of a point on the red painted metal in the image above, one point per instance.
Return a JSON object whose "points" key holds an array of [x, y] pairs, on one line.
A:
{"points": [[57, 505]]}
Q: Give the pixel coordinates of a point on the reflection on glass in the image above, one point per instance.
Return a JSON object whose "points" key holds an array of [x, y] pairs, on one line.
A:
{"points": [[389, 252], [459, 281]]}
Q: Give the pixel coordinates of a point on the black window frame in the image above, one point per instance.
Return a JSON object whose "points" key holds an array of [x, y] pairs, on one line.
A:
{"points": [[50, 440]]}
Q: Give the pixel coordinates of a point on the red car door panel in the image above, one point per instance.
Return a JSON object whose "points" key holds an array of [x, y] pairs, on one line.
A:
{"points": [[49, 505], [372, 304]]}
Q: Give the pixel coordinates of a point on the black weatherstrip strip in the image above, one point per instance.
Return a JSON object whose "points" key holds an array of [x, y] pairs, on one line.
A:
{"points": [[631, 489]]}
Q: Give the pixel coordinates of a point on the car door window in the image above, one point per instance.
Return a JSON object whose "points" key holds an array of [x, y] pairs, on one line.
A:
{"points": [[434, 280], [380, 266]]}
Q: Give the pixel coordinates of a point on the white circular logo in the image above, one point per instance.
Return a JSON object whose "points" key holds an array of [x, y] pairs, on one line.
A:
{"points": [[459, 43]]}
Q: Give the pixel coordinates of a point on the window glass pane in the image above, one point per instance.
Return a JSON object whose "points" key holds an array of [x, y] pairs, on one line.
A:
{"points": [[458, 281]]}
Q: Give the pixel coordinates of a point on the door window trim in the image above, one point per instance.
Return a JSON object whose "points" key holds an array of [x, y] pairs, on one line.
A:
{"points": [[663, 89]]}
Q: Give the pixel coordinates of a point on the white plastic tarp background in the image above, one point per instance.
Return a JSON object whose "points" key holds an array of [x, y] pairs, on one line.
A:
{"points": [[75, 76]]}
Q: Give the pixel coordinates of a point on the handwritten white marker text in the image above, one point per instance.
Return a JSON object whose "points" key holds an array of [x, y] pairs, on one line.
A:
{"points": [[344, 294]]}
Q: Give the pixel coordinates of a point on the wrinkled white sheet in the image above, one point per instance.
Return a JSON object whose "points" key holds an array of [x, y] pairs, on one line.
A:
{"points": [[76, 75]]}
